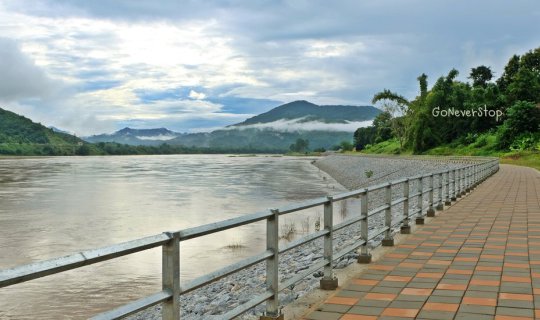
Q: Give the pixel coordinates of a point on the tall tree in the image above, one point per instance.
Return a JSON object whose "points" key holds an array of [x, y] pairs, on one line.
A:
{"points": [[480, 76]]}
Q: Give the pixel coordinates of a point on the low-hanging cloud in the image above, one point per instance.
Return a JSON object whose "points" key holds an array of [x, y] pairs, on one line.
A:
{"points": [[301, 125]]}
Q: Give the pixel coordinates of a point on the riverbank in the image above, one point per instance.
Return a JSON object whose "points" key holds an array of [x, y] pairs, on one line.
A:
{"points": [[353, 172]]}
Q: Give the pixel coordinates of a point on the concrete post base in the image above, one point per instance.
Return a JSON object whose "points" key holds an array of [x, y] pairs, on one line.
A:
{"points": [[453, 198], [448, 203], [458, 195], [329, 284], [388, 242], [405, 229], [463, 192], [439, 207], [468, 190], [270, 317], [420, 220], [364, 258], [430, 213]]}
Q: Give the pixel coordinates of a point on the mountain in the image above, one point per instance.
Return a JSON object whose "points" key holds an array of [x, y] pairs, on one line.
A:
{"points": [[323, 126], [136, 136], [306, 111], [277, 129], [20, 135]]}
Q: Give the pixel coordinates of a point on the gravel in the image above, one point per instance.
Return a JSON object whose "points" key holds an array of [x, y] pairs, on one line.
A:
{"points": [[353, 172]]}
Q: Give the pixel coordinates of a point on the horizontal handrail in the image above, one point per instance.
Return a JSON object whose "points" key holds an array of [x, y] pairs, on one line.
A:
{"points": [[454, 181]]}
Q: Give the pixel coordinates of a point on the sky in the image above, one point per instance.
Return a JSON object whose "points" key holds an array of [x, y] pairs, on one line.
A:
{"points": [[92, 67]]}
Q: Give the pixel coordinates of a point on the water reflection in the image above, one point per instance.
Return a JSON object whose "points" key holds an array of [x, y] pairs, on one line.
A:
{"points": [[55, 206]]}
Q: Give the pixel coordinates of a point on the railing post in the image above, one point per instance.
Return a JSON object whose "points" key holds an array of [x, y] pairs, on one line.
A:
{"points": [[365, 256], [170, 275], [468, 179], [420, 204], [440, 205], [459, 181], [447, 201], [388, 240], [406, 228], [329, 280], [463, 181], [272, 264], [454, 190], [431, 210]]}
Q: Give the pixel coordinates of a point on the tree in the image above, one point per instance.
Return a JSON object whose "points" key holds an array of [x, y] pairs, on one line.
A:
{"points": [[383, 126], [346, 145], [397, 106], [522, 118], [480, 76], [301, 145], [364, 136]]}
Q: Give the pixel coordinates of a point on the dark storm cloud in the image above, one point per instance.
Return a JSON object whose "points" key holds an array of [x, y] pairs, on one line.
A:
{"points": [[21, 78], [326, 52]]}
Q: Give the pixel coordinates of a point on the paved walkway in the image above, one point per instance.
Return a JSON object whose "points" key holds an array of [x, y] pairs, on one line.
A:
{"points": [[480, 259]]}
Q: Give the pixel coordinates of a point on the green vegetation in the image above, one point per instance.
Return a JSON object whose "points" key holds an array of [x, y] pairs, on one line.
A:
{"points": [[485, 118], [308, 111]]}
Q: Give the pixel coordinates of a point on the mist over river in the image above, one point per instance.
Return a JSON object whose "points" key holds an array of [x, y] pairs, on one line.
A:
{"points": [[51, 207]]}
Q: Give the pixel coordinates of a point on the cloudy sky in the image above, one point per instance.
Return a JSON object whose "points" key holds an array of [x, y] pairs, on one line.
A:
{"points": [[97, 66]]}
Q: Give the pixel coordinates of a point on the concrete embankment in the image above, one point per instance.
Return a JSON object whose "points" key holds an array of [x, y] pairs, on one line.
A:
{"points": [[353, 172]]}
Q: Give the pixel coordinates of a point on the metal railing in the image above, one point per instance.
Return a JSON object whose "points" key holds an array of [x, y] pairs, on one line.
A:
{"points": [[455, 182]]}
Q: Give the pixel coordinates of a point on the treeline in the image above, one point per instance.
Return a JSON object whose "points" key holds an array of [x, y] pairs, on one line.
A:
{"points": [[113, 148], [456, 112]]}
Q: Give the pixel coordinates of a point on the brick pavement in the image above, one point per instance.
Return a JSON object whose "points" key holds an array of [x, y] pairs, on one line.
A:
{"points": [[479, 259]]}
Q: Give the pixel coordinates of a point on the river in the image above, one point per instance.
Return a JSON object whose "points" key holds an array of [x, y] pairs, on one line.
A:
{"points": [[51, 207]]}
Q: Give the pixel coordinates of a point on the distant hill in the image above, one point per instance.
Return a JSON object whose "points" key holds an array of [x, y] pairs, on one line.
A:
{"points": [[281, 127], [136, 136], [22, 136], [306, 111], [18, 129]]}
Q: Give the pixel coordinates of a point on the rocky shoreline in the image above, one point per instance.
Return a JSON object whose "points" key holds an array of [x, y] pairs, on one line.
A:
{"points": [[353, 172]]}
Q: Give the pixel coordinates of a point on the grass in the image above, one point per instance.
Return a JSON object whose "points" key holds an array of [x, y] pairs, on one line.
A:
{"points": [[287, 230], [483, 145], [523, 158], [235, 245]]}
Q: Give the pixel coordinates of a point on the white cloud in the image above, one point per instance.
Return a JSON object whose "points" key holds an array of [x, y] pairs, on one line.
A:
{"points": [[298, 125], [196, 95]]}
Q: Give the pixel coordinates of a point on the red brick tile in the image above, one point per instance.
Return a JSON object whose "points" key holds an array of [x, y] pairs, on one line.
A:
{"points": [[431, 275], [516, 265], [447, 286], [479, 301], [515, 296], [416, 292], [398, 312], [365, 282], [439, 262], [518, 254], [467, 259], [433, 306], [459, 271], [491, 283], [516, 279], [381, 267], [500, 317]]}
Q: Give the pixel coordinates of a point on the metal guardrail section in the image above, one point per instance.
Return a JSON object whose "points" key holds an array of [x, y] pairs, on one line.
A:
{"points": [[456, 182]]}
